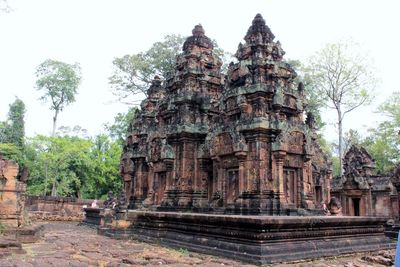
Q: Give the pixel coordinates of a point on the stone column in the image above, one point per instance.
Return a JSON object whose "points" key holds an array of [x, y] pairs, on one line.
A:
{"points": [[150, 194], [12, 193], [328, 178], [242, 182], [279, 159]]}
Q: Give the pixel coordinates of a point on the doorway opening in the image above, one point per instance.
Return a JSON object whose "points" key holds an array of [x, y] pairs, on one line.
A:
{"points": [[356, 206]]}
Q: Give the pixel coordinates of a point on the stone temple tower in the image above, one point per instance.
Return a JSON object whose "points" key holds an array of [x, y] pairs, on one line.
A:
{"points": [[234, 143]]}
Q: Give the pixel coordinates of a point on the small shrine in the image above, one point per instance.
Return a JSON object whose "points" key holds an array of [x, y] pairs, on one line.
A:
{"points": [[360, 191]]}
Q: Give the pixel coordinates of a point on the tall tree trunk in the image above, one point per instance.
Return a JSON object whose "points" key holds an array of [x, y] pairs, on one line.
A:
{"points": [[45, 179], [54, 123], [340, 126], [54, 187]]}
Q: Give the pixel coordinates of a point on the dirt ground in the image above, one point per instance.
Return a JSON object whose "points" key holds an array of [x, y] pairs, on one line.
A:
{"points": [[70, 244]]}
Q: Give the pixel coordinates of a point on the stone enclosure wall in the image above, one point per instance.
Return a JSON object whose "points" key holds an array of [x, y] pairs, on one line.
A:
{"points": [[56, 208]]}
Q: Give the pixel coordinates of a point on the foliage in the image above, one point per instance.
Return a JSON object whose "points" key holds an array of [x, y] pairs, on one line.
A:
{"points": [[314, 100], [343, 76], [133, 74], [391, 109], [11, 151], [73, 166], [335, 166], [324, 145], [119, 129], [12, 134], [76, 131], [59, 81], [383, 143], [3, 227], [183, 252], [105, 156], [350, 138], [60, 166], [13, 129]]}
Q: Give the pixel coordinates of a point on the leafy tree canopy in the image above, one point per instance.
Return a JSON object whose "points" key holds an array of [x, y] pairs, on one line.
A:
{"points": [[59, 83], [133, 74], [315, 101], [343, 76], [119, 129], [13, 129], [73, 166]]}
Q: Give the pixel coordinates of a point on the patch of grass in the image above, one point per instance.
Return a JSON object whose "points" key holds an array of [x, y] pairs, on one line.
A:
{"points": [[184, 252], [2, 228]]}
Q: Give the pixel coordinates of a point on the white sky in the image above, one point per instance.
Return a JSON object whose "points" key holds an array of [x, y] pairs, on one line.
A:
{"points": [[93, 32]]}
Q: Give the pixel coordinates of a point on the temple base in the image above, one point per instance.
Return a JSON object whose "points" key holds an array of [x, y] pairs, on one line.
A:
{"points": [[256, 239]]}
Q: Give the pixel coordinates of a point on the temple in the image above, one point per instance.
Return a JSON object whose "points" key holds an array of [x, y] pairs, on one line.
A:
{"points": [[236, 143], [211, 159]]}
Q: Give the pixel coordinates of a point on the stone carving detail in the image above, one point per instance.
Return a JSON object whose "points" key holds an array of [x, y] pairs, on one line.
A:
{"points": [[208, 142]]}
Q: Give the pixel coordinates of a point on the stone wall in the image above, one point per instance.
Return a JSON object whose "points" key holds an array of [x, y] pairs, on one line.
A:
{"points": [[56, 208]]}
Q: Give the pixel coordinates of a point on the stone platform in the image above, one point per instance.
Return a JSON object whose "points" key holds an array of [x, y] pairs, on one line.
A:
{"points": [[93, 216], [256, 239]]}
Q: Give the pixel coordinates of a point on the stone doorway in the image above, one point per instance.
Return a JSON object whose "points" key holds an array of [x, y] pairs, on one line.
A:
{"points": [[232, 185], [318, 194], [290, 185], [210, 186], [356, 206], [159, 187]]}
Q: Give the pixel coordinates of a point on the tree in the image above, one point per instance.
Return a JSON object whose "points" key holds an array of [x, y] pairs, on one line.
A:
{"points": [[72, 166], [12, 133], [383, 143], [105, 157], [60, 82], [133, 73], [343, 76], [350, 138], [13, 129], [391, 109], [314, 100], [60, 165], [119, 129], [11, 151]]}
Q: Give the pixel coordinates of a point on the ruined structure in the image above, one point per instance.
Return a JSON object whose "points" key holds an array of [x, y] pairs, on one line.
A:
{"points": [[362, 193], [235, 144], [12, 195]]}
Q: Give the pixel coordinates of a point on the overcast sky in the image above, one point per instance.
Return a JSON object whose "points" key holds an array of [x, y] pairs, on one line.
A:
{"points": [[93, 32]]}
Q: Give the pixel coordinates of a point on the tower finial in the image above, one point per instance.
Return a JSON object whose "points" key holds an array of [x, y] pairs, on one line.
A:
{"points": [[198, 30], [258, 27], [198, 38]]}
